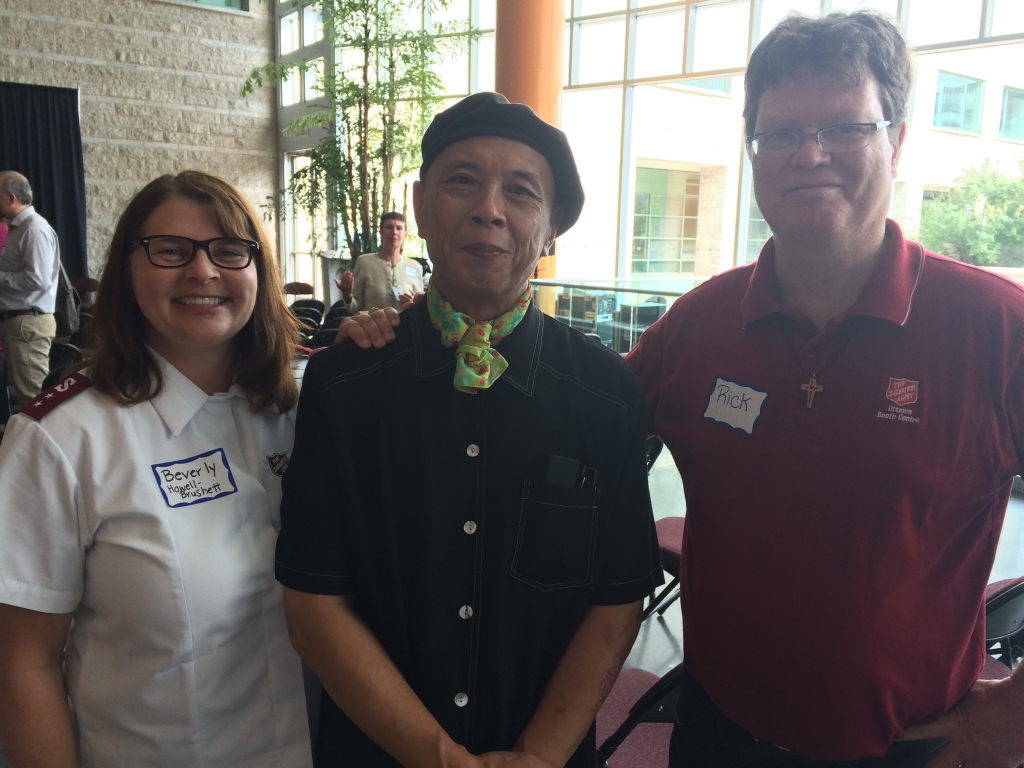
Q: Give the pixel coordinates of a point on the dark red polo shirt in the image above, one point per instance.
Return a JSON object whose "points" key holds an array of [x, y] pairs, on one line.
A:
{"points": [[836, 556]]}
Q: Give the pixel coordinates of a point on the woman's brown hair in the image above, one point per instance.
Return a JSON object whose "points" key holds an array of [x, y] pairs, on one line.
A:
{"points": [[123, 366]]}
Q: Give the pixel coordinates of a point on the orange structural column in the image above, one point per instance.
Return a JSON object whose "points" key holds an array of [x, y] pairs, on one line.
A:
{"points": [[528, 54], [528, 63]]}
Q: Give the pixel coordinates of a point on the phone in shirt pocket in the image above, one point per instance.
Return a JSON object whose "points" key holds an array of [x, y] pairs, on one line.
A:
{"points": [[557, 536]]}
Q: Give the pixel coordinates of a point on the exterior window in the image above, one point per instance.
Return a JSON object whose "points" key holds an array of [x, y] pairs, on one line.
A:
{"points": [[602, 50], [659, 44], [958, 103], [291, 89], [665, 221], [312, 25], [716, 44], [289, 33], [1011, 124], [313, 81]]}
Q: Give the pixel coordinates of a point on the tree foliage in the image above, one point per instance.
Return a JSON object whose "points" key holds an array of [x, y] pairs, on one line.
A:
{"points": [[376, 104], [980, 221]]}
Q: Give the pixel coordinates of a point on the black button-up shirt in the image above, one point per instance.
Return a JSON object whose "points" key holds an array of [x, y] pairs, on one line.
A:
{"points": [[431, 508]]}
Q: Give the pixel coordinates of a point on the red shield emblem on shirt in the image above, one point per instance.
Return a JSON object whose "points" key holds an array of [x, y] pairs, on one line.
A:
{"points": [[278, 463], [902, 391]]}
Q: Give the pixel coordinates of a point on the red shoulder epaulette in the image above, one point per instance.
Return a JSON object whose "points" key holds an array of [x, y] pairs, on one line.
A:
{"points": [[49, 399]]}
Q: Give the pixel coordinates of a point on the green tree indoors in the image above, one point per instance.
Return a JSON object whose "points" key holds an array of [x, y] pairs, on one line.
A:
{"points": [[376, 103]]}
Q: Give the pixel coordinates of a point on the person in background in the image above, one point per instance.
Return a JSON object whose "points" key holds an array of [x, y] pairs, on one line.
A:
{"points": [[465, 576], [29, 266], [387, 278], [140, 509]]}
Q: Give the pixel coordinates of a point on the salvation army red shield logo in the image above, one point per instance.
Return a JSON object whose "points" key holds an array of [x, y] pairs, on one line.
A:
{"points": [[278, 463], [902, 391]]}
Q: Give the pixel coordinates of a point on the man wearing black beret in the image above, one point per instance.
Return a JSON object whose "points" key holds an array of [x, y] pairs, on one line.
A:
{"points": [[466, 532]]}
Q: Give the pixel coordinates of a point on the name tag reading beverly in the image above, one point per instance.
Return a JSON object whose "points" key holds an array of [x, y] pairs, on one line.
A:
{"points": [[735, 405], [192, 481]]}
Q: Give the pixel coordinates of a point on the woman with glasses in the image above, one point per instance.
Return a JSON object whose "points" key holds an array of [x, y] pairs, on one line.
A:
{"points": [[139, 510]]}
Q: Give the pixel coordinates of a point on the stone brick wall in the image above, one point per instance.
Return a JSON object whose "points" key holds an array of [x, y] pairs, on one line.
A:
{"points": [[159, 84]]}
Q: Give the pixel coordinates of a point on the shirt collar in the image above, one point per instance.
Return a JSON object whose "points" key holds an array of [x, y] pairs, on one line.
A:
{"points": [[20, 218], [887, 295], [179, 399], [521, 348]]}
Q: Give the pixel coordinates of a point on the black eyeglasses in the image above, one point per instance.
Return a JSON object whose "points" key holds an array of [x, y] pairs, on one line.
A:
{"points": [[835, 138], [173, 251]]}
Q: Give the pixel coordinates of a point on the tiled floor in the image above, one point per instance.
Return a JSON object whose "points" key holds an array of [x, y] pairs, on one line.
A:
{"points": [[659, 646]]}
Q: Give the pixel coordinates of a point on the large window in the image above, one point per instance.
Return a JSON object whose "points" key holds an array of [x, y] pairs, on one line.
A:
{"points": [[1011, 123], [665, 221], [958, 103]]}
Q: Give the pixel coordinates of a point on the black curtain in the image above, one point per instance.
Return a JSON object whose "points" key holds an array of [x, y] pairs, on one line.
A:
{"points": [[40, 137]]}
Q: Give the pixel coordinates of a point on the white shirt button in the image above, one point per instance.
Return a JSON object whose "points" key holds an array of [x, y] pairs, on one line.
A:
{"points": [[469, 527], [461, 699], [466, 612], [473, 450]]}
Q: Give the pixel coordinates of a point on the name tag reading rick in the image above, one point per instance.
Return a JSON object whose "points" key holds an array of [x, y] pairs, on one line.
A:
{"points": [[192, 481], [735, 405]]}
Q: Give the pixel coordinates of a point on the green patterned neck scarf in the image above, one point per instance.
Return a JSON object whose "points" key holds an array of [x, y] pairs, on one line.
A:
{"points": [[477, 364]]}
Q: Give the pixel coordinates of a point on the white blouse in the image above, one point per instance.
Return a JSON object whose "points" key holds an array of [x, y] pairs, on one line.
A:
{"points": [[156, 524]]}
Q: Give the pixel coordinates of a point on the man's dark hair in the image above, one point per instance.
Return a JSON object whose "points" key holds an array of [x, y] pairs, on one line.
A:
{"points": [[844, 45], [17, 185]]}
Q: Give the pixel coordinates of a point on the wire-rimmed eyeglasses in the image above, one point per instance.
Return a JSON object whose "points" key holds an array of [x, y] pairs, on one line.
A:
{"points": [[173, 251], [835, 138]]}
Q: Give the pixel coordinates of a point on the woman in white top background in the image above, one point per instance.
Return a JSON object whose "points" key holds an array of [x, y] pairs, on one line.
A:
{"points": [[140, 509], [387, 278]]}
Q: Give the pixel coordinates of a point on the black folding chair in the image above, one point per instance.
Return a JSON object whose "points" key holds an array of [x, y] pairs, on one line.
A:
{"points": [[62, 355], [656, 705], [325, 337], [311, 303]]}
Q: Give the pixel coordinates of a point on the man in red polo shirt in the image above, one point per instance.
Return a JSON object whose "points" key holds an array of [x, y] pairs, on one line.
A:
{"points": [[847, 415]]}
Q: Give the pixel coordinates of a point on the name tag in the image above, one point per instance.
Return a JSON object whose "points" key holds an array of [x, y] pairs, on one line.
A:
{"points": [[192, 481], [735, 405], [411, 271]]}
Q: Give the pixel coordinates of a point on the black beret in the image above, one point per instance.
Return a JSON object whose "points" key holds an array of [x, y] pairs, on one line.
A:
{"points": [[491, 114]]}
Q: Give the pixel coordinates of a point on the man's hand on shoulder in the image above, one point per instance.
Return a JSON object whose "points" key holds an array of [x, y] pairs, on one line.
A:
{"points": [[985, 730], [369, 329]]}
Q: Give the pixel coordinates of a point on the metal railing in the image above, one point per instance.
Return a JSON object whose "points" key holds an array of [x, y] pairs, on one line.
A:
{"points": [[616, 311]]}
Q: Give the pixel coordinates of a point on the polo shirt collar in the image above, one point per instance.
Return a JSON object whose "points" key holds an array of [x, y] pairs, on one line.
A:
{"points": [[887, 295], [521, 348], [179, 399], [18, 220]]}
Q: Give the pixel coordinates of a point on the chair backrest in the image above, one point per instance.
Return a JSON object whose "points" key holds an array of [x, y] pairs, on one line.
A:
{"points": [[325, 337], [298, 289], [1004, 612], [313, 303], [62, 355], [307, 313], [335, 316], [653, 447]]}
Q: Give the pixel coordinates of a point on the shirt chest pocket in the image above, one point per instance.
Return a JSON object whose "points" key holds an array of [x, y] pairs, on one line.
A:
{"points": [[557, 537]]}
